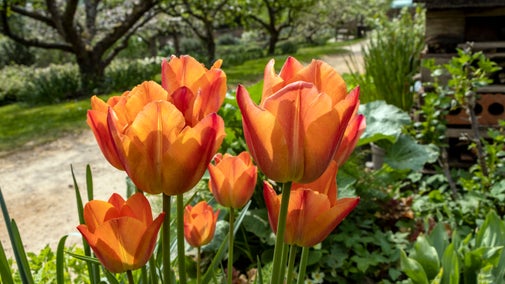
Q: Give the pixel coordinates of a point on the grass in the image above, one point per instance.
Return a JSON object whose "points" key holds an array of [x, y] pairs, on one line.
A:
{"points": [[24, 126]]}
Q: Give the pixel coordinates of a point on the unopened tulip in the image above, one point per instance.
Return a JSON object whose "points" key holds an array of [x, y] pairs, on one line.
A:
{"points": [[232, 179], [199, 224], [194, 89], [152, 142], [313, 210], [294, 132], [121, 233]]}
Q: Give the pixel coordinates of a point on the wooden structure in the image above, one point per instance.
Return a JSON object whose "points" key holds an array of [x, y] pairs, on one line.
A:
{"points": [[450, 24]]}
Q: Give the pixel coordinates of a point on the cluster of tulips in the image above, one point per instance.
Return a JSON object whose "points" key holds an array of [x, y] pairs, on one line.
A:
{"points": [[166, 136]]}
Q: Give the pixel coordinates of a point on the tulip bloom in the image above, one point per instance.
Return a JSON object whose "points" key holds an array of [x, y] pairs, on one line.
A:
{"points": [[195, 90], [294, 132], [121, 233], [356, 127], [313, 210], [232, 179], [199, 224], [152, 142]]}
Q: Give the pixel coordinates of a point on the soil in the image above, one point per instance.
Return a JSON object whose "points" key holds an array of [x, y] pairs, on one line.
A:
{"points": [[38, 188]]}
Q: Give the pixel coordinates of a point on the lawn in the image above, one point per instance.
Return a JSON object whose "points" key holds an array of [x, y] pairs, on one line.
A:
{"points": [[27, 126]]}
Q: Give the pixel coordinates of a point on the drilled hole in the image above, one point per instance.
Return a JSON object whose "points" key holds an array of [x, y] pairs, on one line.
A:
{"points": [[477, 109], [495, 109], [455, 111]]}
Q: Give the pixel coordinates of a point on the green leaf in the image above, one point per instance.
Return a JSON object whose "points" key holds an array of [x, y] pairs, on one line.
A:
{"points": [[450, 264], [256, 222], [5, 269], [60, 261], [19, 249], [479, 258], [89, 182], [383, 121], [413, 269], [439, 239], [426, 255], [224, 246], [492, 232], [407, 154]]}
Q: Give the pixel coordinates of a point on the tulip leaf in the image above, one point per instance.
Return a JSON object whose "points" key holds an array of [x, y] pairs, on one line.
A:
{"points": [[450, 263], [407, 154], [16, 243], [427, 257], [5, 270], [413, 269], [89, 182], [383, 121], [224, 246], [60, 261], [256, 222]]}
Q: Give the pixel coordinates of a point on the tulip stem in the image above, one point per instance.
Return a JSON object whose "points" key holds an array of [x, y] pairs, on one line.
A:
{"points": [[291, 263], [230, 246], [284, 260], [181, 252], [281, 227], [303, 265], [129, 275], [165, 239], [198, 269]]}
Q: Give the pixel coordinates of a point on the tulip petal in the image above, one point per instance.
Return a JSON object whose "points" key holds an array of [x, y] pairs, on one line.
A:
{"points": [[146, 141], [317, 229], [96, 212], [138, 206], [177, 72], [273, 205], [97, 121], [271, 81], [265, 138], [326, 79], [325, 184], [148, 241], [115, 238]]}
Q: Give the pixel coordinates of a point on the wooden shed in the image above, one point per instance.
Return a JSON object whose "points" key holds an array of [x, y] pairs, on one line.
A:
{"points": [[450, 24]]}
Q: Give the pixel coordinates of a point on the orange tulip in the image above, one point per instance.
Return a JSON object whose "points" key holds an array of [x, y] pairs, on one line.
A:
{"points": [[121, 233], [152, 142], [356, 127], [296, 129], [199, 224], [313, 209], [232, 179], [195, 90]]}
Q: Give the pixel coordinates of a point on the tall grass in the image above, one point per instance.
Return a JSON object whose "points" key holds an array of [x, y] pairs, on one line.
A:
{"points": [[391, 59]]}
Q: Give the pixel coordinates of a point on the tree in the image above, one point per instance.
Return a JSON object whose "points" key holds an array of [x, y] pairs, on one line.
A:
{"points": [[94, 31], [203, 18], [274, 16]]}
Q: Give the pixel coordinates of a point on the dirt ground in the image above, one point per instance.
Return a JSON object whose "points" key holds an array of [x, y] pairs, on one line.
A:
{"points": [[38, 189]]}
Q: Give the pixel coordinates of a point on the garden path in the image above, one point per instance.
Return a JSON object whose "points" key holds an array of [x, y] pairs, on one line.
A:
{"points": [[37, 184]]}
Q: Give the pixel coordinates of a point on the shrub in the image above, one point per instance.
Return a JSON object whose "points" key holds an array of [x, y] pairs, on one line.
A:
{"points": [[238, 54], [288, 47], [12, 52], [13, 80], [123, 74], [52, 84]]}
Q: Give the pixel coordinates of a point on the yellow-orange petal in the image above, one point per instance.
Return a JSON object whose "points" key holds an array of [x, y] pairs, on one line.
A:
{"points": [[273, 205], [97, 121], [271, 81], [96, 212], [265, 139], [177, 72], [325, 78], [325, 184], [139, 208], [321, 226]]}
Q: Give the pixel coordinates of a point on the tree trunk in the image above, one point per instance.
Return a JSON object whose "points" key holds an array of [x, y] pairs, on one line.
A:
{"points": [[274, 38], [92, 73]]}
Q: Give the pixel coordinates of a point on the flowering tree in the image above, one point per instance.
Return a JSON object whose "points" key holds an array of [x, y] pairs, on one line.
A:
{"points": [[93, 31]]}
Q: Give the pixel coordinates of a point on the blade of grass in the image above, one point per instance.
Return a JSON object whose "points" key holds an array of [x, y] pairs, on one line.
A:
{"points": [[60, 261], [10, 225], [5, 269]]}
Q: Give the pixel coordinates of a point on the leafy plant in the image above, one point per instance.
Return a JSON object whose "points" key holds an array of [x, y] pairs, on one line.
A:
{"points": [[478, 258]]}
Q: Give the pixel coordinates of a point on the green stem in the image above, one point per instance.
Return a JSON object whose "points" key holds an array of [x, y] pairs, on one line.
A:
{"points": [[230, 246], [284, 260], [198, 270], [281, 227], [181, 252], [303, 265], [291, 263], [165, 239], [129, 275]]}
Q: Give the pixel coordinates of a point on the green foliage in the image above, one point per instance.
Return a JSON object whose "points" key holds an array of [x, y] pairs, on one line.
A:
{"points": [[13, 80], [124, 74], [391, 58], [478, 258], [13, 53], [52, 84]]}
